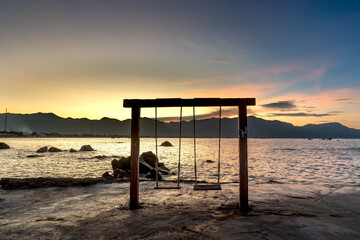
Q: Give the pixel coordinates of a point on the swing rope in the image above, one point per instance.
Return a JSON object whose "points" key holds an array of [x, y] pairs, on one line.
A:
{"points": [[208, 186], [156, 150], [194, 146], [178, 180], [156, 155], [219, 146]]}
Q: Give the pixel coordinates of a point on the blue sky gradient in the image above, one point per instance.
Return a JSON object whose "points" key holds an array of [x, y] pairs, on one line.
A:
{"points": [[82, 58]]}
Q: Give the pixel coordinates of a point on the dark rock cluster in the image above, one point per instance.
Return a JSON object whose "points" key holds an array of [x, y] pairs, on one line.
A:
{"points": [[54, 149], [147, 161]]}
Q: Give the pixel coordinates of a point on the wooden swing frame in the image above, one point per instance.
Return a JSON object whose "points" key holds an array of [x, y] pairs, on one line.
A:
{"points": [[137, 104]]}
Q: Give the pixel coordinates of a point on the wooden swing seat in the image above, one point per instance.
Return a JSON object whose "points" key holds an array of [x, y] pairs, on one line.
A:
{"points": [[207, 187], [167, 187]]}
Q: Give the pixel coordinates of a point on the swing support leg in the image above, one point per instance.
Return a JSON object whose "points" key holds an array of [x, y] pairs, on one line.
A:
{"points": [[134, 162], [243, 188]]}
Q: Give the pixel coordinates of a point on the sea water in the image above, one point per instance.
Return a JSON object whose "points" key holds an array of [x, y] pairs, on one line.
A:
{"points": [[326, 162]]}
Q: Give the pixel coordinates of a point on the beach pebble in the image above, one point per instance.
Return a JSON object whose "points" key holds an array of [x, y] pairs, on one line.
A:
{"points": [[209, 161], [72, 150], [166, 144], [42, 150], [4, 145], [86, 148]]}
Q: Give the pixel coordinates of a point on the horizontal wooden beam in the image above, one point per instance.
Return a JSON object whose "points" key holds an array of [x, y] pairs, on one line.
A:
{"points": [[197, 102]]}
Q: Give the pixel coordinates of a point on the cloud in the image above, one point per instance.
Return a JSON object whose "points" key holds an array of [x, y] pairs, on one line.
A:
{"points": [[302, 114], [212, 114], [192, 44], [218, 60], [280, 105], [342, 99]]}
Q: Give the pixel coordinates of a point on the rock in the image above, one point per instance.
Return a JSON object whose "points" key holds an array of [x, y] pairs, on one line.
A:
{"points": [[123, 163], [107, 175], [147, 162], [163, 168], [54, 149], [42, 150], [27, 183], [86, 148], [119, 173], [166, 144], [4, 145], [34, 156], [152, 175], [209, 161], [144, 167], [148, 157], [72, 150]]}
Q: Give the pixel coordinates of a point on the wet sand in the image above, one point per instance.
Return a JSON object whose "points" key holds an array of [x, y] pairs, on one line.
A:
{"points": [[279, 211]]}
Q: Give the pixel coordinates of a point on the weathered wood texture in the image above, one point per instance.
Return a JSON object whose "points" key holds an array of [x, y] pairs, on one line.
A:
{"points": [[134, 162], [243, 171], [197, 102]]}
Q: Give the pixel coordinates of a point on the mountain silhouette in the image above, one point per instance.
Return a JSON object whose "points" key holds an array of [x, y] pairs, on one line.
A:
{"points": [[257, 127]]}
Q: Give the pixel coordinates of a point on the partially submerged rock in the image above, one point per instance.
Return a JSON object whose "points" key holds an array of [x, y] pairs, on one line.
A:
{"points": [[119, 173], [144, 167], [86, 148], [42, 149], [150, 159], [107, 175], [147, 162], [72, 150], [152, 175], [4, 145], [166, 144], [54, 149], [34, 156], [122, 163]]}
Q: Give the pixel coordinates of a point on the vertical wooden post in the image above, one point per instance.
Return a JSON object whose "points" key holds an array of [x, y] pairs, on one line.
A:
{"points": [[134, 163], [243, 158]]}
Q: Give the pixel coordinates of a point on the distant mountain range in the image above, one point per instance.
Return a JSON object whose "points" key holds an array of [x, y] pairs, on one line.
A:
{"points": [[257, 127]]}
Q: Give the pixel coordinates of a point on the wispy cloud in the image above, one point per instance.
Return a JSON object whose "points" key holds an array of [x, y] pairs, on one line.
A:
{"points": [[302, 114], [343, 99], [280, 105], [193, 44], [218, 60], [230, 112]]}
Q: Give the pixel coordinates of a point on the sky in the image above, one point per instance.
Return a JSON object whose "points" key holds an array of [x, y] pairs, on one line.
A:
{"points": [[299, 59]]}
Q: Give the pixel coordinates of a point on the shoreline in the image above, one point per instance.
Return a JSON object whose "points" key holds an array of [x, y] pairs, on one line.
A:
{"points": [[279, 211]]}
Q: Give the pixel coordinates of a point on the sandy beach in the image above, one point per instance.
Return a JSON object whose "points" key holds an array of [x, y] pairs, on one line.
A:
{"points": [[279, 211]]}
